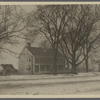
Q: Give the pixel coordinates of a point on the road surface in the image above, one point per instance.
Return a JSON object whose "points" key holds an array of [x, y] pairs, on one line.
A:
{"points": [[12, 85]]}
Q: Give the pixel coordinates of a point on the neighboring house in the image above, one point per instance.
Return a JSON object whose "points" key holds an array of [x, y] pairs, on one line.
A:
{"points": [[35, 60], [7, 69]]}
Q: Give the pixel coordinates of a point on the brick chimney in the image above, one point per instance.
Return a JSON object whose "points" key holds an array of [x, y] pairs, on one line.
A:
{"points": [[28, 44]]}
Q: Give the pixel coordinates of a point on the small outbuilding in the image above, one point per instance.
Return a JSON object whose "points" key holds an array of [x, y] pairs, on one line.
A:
{"points": [[7, 69]]}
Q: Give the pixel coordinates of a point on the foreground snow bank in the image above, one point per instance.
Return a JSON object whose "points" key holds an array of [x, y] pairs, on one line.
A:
{"points": [[82, 83], [61, 84]]}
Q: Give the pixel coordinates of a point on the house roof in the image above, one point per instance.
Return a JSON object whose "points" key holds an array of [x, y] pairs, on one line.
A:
{"points": [[8, 67], [41, 51]]}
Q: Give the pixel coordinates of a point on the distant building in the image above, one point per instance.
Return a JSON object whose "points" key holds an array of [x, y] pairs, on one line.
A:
{"points": [[35, 60], [7, 69]]}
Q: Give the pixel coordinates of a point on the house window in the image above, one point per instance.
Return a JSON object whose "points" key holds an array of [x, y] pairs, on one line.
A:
{"points": [[29, 68], [48, 68], [26, 68], [29, 59], [36, 68], [42, 67], [60, 67]]}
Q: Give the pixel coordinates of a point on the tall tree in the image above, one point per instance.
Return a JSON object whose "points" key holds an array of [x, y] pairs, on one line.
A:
{"points": [[82, 22], [11, 24], [90, 47], [50, 21], [93, 40]]}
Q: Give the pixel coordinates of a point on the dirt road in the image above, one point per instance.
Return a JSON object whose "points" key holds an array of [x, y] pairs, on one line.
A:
{"points": [[50, 86]]}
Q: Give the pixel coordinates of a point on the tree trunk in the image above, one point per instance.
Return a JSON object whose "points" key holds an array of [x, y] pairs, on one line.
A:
{"points": [[86, 63], [74, 71], [55, 62], [55, 65], [68, 67]]}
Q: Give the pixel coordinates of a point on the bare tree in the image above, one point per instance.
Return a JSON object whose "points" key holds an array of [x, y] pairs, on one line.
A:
{"points": [[49, 21], [93, 40], [81, 27], [90, 47], [68, 28], [11, 24]]}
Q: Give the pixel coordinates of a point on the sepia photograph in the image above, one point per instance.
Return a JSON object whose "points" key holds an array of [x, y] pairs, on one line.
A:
{"points": [[50, 49]]}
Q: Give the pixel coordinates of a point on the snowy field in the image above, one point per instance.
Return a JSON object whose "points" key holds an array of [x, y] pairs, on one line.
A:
{"points": [[62, 84]]}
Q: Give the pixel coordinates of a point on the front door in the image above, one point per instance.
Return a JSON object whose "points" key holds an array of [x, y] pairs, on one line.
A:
{"points": [[37, 68]]}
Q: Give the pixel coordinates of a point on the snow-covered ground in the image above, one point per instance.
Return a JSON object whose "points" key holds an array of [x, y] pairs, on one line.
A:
{"points": [[62, 84]]}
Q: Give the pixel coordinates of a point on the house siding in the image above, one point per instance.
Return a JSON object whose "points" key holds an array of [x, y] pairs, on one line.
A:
{"points": [[47, 63], [26, 62], [39, 64], [33, 64]]}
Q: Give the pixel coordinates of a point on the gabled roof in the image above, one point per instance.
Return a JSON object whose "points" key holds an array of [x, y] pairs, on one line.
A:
{"points": [[41, 51], [8, 67]]}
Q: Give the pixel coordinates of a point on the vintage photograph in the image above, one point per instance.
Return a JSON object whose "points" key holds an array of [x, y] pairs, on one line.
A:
{"points": [[50, 49]]}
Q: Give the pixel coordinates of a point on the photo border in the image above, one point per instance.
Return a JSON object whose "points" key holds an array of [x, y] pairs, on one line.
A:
{"points": [[48, 97]]}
